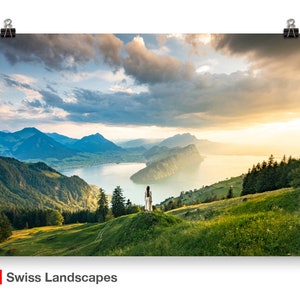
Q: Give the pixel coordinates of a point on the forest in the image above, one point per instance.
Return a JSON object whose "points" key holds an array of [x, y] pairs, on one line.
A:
{"points": [[271, 175]]}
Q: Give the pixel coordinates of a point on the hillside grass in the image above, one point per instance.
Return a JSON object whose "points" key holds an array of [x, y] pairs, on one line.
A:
{"points": [[216, 191], [266, 224]]}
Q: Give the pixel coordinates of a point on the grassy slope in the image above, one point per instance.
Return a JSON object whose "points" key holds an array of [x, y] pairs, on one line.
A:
{"points": [[264, 224], [217, 190]]}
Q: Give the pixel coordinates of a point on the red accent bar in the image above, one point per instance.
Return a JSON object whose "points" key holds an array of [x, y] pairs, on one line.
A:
{"points": [[0, 277]]}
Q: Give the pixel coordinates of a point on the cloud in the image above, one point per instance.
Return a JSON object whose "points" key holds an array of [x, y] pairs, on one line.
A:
{"points": [[23, 84], [63, 51], [197, 41], [51, 99], [17, 80], [180, 103], [110, 47], [122, 89], [236, 100], [106, 75], [176, 94], [116, 108], [270, 52], [255, 45], [148, 67], [206, 100]]}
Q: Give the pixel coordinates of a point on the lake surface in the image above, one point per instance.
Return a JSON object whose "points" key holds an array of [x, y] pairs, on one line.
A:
{"points": [[213, 169]]}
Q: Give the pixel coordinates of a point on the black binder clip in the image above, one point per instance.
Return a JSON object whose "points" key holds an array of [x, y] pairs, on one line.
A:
{"points": [[291, 31], [8, 31]]}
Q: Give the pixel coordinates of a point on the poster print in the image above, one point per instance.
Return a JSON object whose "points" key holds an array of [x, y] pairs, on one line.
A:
{"points": [[208, 122]]}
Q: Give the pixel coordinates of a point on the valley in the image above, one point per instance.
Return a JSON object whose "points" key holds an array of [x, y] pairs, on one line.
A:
{"points": [[206, 224], [173, 166]]}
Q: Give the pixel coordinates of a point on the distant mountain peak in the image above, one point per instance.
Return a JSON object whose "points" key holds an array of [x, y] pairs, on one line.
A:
{"points": [[186, 134], [95, 143], [94, 136], [29, 129], [98, 134], [26, 132], [179, 140], [31, 143]]}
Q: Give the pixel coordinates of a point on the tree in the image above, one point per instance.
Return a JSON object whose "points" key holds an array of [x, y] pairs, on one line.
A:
{"points": [[272, 175], [5, 227], [131, 208], [103, 208], [128, 207], [294, 177], [230, 193], [117, 202], [56, 218], [271, 161]]}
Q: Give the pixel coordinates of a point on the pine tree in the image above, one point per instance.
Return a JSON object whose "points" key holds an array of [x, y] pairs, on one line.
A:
{"points": [[103, 208], [117, 202], [230, 193], [128, 207]]}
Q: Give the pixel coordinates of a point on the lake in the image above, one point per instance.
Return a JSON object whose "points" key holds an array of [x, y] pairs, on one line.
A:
{"points": [[213, 169]]}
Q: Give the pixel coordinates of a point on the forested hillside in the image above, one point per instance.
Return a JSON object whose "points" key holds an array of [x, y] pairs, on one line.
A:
{"points": [[37, 186]]}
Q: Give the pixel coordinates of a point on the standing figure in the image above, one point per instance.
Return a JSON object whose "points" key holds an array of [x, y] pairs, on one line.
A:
{"points": [[148, 199]]}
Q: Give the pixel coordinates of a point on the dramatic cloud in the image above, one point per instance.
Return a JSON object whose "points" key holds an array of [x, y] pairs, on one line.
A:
{"points": [[256, 45], [270, 52], [94, 106], [62, 52], [204, 101], [216, 100], [148, 67], [154, 85]]}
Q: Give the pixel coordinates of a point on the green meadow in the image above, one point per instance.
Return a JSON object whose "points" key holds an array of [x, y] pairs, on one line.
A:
{"points": [[265, 224]]}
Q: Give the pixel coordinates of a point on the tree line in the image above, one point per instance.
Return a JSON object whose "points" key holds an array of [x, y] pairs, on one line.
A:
{"points": [[24, 218], [264, 176], [271, 175]]}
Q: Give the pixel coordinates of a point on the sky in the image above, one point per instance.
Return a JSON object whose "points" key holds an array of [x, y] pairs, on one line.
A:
{"points": [[241, 88]]}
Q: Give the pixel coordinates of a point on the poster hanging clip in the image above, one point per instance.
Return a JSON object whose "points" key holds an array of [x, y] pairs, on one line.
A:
{"points": [[8, 31], [291, 31]]}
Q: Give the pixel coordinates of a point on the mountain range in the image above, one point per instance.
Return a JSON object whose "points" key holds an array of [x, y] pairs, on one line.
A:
{"points": [[94, 143], [36, 184], [30, 144], [205, 147], [59, 151]]}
